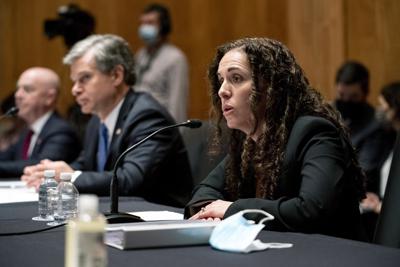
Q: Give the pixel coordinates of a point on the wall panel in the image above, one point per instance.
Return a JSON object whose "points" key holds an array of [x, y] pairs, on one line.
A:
{"points": [[373, 38], [321, 33], [316, 37]]}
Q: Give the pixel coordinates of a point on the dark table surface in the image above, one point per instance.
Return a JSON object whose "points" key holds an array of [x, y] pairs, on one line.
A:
{"points": [[47, 248]]}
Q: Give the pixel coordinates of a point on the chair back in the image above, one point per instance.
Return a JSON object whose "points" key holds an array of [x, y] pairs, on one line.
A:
{"points": [[197, 145]]}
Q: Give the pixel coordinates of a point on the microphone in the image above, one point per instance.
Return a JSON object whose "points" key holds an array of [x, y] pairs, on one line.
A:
{"points": [[118, 217], [11, 112]]}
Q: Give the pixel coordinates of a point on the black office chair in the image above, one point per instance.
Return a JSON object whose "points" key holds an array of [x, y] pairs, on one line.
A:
{"points": [[197, 144], [387, 231]]}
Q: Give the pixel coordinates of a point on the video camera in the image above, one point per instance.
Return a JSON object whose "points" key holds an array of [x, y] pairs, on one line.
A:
{"points": [[73, 23]]}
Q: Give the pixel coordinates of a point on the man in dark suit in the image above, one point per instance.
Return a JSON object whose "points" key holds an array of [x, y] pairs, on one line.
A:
{"points": [[47, 135], [367, 134], [102, 69]]}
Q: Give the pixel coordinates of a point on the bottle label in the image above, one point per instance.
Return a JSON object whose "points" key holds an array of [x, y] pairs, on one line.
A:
{"points": [[91, 250]]}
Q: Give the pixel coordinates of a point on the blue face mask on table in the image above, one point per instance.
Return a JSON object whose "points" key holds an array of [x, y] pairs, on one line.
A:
{"points": [[237, 234], [148, 33]]}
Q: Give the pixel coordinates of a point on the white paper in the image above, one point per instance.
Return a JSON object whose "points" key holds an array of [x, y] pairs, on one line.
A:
{"points": [[158, 215], [12, 184], [16, 191]]}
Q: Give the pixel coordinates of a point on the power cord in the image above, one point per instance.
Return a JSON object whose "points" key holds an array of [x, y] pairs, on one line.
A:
{"points": [[32, 232]]}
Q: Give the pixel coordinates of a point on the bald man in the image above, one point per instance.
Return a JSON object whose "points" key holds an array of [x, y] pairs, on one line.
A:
{"points": [[47, 135]]}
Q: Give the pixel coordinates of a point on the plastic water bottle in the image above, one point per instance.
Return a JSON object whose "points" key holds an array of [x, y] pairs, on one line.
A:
{"points": [[67, 204], [48, 183], [84, 241]]}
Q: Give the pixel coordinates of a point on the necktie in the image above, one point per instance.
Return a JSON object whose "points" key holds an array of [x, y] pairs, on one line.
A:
{"points": [[25, 146], [102, 147]]}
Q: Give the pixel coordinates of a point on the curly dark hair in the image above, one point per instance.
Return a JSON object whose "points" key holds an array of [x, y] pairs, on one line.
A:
{"points": [[281, 89]]}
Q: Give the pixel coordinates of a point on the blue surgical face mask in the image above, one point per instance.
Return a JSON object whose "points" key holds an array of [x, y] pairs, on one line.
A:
{"points": [[148, 33], [237, 234]]}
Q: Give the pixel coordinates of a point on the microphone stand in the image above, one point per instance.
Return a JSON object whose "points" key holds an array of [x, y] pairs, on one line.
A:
{"points": [[114, 216]]}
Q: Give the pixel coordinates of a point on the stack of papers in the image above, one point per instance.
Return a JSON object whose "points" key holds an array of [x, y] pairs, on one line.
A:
{"points": [[158, 233]]}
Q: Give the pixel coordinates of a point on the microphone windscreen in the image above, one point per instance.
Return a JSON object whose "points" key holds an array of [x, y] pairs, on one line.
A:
{"points": [[12, 111], [194, 124]]}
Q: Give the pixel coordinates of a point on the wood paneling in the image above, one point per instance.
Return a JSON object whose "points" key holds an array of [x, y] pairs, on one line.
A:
{"points": [[373, 38], [321, 33], [316, 37], [7, 36]]}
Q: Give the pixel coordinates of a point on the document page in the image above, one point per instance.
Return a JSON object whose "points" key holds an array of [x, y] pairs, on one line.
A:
{"points": [[16, 191], [158, 215]]}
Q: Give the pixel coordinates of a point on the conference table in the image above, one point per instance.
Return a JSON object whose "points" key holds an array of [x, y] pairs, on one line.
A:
{"points": [[47, 248]]}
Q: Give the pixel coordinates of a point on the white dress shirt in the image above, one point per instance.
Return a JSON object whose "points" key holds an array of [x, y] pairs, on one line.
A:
{"points": [[385, 174], [36, 128]]}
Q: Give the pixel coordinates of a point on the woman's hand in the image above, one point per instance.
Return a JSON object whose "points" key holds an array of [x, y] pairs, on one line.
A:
{"points": [[214, 211]]}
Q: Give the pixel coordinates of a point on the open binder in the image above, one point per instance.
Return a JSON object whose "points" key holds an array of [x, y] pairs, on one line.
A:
{"points": [[159, 234]]}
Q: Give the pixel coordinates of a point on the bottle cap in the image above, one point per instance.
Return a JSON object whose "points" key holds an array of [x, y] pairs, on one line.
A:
{"points": [[66, 176], [49, 173], [88, 204]]}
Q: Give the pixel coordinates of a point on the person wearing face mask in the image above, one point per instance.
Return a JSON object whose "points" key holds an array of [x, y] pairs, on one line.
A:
{"points": [[367, 133], [389, 107], [161, 68], [289, 152]]}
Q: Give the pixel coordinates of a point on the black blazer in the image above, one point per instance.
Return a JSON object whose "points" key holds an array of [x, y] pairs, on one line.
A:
{"points": [[56, 141], [314, 192], [158, 170]]}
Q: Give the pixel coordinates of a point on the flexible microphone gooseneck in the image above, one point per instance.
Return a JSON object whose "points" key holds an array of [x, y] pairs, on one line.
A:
{"points": [[11, 112], [115, 216]]}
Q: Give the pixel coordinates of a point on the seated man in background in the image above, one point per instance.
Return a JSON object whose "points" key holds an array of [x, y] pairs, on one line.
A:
{"points": [[47, 136], [389, 106], [102, 71], [366, 132]]}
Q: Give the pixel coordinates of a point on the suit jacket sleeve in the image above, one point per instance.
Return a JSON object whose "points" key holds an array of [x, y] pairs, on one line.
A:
{"points": [[57, 141], [320, 153], [210, 189], [85, 156], [11, 152], [373, 151]]}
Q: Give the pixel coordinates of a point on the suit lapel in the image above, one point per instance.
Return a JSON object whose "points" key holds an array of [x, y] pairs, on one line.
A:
{"points": [[119, 130], [93, 143], [17, 154]]}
